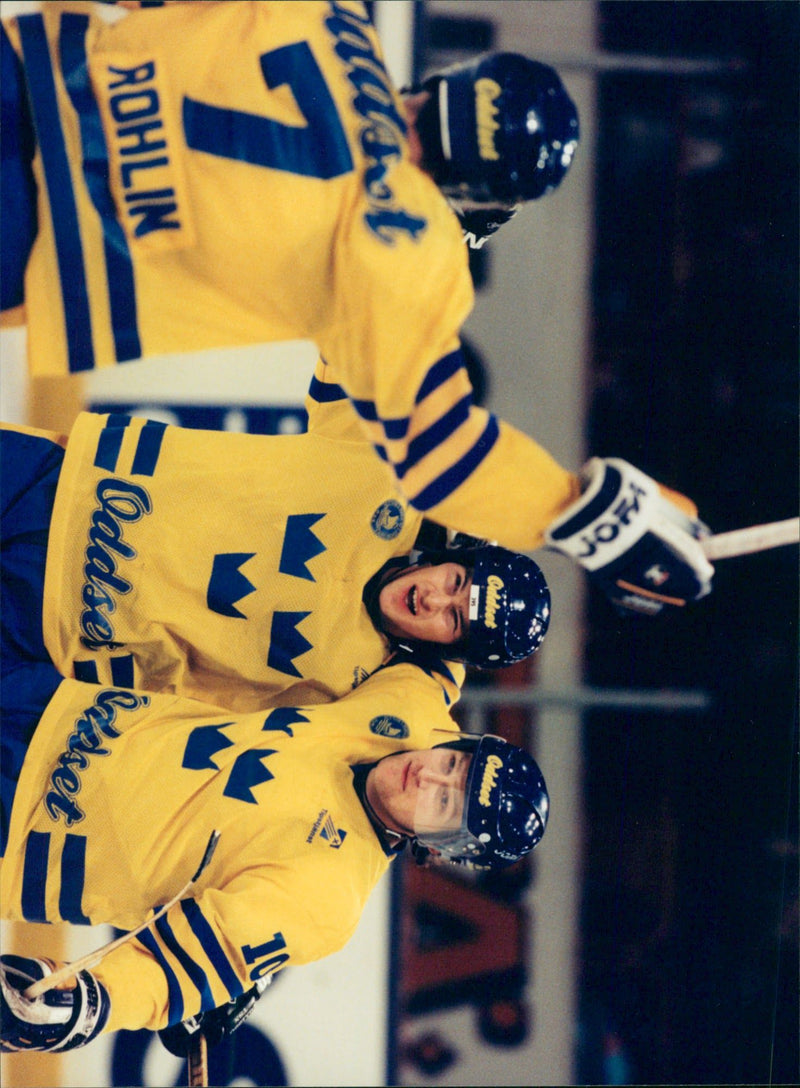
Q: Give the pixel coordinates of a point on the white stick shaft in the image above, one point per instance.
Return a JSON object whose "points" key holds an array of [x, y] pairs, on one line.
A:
{"points": [[91, 958], [757, 538]]}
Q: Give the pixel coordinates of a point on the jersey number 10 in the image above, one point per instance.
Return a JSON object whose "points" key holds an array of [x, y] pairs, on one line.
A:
{"points": [[272, 962]]}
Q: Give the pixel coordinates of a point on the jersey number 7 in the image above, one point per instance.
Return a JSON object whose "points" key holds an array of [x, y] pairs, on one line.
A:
{"points": [[320, 150]]}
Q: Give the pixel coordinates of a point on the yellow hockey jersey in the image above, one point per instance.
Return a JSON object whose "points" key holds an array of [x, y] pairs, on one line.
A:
{"points": [[220, 174], [120, 791], [225, 567]]}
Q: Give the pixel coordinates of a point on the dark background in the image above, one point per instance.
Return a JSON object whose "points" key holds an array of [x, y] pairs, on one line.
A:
{"points": [[690, 907]]}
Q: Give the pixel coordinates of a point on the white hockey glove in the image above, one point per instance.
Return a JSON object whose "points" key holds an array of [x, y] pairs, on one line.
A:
{"points": [[639, 547], [58, 1019]]}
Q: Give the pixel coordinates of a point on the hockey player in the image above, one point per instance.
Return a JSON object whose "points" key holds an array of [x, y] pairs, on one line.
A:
{"points": [[261, 183], [118, 791], [241, 569]]}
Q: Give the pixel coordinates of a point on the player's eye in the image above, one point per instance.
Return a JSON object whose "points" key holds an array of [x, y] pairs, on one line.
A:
{"points": [[444, 797]]}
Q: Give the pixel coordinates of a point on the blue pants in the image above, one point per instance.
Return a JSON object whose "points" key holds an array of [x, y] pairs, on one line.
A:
{"points": [[29, 470]]}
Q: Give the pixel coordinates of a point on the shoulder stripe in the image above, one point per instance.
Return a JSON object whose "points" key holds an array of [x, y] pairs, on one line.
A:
{"points": [[69, 250], [435, 435], [148, 448], [448, 481], [393, 428], [195, 972], [34, 877], [212, 948], [122, 671], [73, 876], [119, 266], [175, 996], [325, 392], [87, 672], [109, 442], [440, 372]]}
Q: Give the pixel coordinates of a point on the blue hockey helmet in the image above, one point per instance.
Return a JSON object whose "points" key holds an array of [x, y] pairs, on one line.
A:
{"points": [[504, 810], [500, 129], [509, 605]]}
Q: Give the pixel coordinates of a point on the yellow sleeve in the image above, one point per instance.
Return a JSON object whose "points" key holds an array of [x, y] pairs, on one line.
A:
{"points": [[202, 953]]}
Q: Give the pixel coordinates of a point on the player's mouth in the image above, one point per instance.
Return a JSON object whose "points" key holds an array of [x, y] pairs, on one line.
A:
{"points": [[412, 600]]}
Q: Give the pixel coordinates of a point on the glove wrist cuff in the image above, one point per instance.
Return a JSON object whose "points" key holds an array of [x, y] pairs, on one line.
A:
{"points": [[612, 513]]}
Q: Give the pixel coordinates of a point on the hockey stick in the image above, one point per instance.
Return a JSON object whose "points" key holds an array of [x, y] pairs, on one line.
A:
{"points": [[197, 1060], [89, 960], [757, 538]]}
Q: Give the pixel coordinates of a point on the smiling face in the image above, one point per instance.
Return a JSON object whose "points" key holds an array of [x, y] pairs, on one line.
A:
{"points": [[420, 791], [428, 603]]}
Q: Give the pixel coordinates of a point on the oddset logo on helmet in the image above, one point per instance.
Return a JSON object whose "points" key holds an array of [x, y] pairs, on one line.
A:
{"points": [[509, 606], [489, 780], [487, 91]]}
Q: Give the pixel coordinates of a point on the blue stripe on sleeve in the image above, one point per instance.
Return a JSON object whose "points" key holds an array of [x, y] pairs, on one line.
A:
{"points": [[440, 372], [392, 428], [175, 997], [73, 876], [435, 435], [110, 441], [195, 972], [367, 410], [395, 428], [148, 448], [446, 484], [86, 671], [34, 877], [211, 946], [325, 392], [119, 266], [122, 670], [64, 213]]}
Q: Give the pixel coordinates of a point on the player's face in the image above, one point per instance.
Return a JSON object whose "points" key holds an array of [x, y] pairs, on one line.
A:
{"points": [[430, 603], [421, 791]]}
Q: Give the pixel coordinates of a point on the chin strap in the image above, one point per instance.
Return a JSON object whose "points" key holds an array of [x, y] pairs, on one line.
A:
{"points": [[396, 839]]}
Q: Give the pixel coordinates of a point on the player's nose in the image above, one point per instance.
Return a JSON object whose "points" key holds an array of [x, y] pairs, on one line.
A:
{"points": [[434, 599]]}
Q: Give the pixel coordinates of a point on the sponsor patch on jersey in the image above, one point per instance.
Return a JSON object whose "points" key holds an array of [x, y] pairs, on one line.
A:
{"points": [[360, 674], [326, 829], [386, 725], [387, 521], [86, 740], [382, 123]]}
